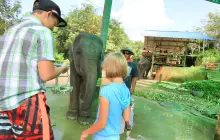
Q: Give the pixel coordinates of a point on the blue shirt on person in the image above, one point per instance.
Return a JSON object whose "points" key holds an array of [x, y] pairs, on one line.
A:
{"points": [[118, 96]]}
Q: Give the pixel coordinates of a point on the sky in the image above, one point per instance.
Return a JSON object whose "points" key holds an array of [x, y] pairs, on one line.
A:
{"points": [[139, 15]]}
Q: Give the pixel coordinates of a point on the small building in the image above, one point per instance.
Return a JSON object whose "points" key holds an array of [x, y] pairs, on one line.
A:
{"points": [[168, 48]]}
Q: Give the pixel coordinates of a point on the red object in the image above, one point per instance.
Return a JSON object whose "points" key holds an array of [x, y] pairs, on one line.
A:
{"points": [[29, 118], [130, 60]]}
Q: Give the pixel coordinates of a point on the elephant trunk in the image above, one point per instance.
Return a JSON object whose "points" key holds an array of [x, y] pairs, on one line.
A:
{"points": [[90, 89]]}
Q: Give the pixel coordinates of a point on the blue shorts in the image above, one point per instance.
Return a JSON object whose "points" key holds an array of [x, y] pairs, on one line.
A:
{"points": [[98, 137]]}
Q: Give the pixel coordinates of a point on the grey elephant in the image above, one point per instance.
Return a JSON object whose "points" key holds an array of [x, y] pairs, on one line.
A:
{"points": [[144, 66], [85, 67]]}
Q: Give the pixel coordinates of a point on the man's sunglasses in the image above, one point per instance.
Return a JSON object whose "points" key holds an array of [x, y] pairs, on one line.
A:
{"points": [[126, 52]]}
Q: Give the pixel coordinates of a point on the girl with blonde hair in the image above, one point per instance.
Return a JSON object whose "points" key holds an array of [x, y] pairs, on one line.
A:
{"points": [[114, 100]]}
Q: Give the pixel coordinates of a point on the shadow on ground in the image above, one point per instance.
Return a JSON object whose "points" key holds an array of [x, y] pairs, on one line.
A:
{"points": [[152, 121]]}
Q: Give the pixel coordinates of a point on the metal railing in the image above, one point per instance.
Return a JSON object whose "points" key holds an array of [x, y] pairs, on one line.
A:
{"points": [[57, 78]]}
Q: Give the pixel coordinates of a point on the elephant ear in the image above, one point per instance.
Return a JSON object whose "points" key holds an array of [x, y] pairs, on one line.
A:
{"points": [[74, 44], [102, 55], [101, 58], [100, 64]]}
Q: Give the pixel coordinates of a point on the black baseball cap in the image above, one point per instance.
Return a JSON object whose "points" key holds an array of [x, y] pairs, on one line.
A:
{"points": [[48, 5]]}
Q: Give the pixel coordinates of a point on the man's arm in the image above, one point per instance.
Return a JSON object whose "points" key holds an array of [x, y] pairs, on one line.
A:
{"points": [[133, 84], [135, 75], [47, 71], [45, 56]]}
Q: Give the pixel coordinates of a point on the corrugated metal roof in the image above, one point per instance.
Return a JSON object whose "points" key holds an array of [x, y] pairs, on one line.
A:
{"points": [[176, 34]]}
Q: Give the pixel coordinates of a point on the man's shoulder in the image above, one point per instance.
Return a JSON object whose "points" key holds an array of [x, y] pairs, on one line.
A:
{"points": [[33, 23], [30, 26], [132, 64], [41, 29]]}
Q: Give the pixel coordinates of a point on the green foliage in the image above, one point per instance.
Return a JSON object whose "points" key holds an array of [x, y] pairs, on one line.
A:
{"points": [[99, 81], [85, 19], [59, 57], [61, 89], [117, 36], [174, 93], [79, 20], [9, 11], [211, 89], [213, 75], [211, 27], [209, 56], [215, 1], [137, 47], [170, 86]]}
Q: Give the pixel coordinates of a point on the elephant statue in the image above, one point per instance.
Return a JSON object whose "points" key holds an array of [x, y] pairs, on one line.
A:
{"points": [[144, 66], [217, 133], [85, 68]]}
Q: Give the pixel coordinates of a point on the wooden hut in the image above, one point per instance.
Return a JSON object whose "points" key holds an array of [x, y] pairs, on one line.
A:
{"points": [[167, 48]]}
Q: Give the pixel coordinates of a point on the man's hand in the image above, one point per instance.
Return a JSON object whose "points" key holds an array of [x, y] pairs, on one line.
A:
{"points": [[47, 71], [131, 90], [64, 67]]}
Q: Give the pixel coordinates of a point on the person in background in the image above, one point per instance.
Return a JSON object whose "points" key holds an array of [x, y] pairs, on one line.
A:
{"points": [[26, 63], [132, 77], [114, 100]]}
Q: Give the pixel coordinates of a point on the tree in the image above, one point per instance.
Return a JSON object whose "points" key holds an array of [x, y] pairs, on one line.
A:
{"points": [[118, 39], [9, 11], [79, 20], [211, 27], [137, 47], [85, 19]]}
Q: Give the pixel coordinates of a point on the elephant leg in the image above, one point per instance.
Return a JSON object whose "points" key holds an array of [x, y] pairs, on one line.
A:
{"points": [[75, 79], [142, 71], [217, 133], [147, 70], [89, 85]]}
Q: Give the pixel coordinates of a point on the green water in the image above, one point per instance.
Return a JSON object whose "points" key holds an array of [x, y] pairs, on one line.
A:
{"points": [[152, 121]]}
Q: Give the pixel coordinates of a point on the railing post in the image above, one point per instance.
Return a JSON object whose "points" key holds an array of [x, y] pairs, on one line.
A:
{"points": [[160, 79], [56, 80]]}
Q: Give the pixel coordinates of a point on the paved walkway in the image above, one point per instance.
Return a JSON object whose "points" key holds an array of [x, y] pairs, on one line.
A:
{"points": [[151, 121]]}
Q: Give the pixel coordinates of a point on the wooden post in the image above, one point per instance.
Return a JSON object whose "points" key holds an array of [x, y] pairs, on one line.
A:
{"points": [[160, 78], [184, 63], [152, 62]]}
